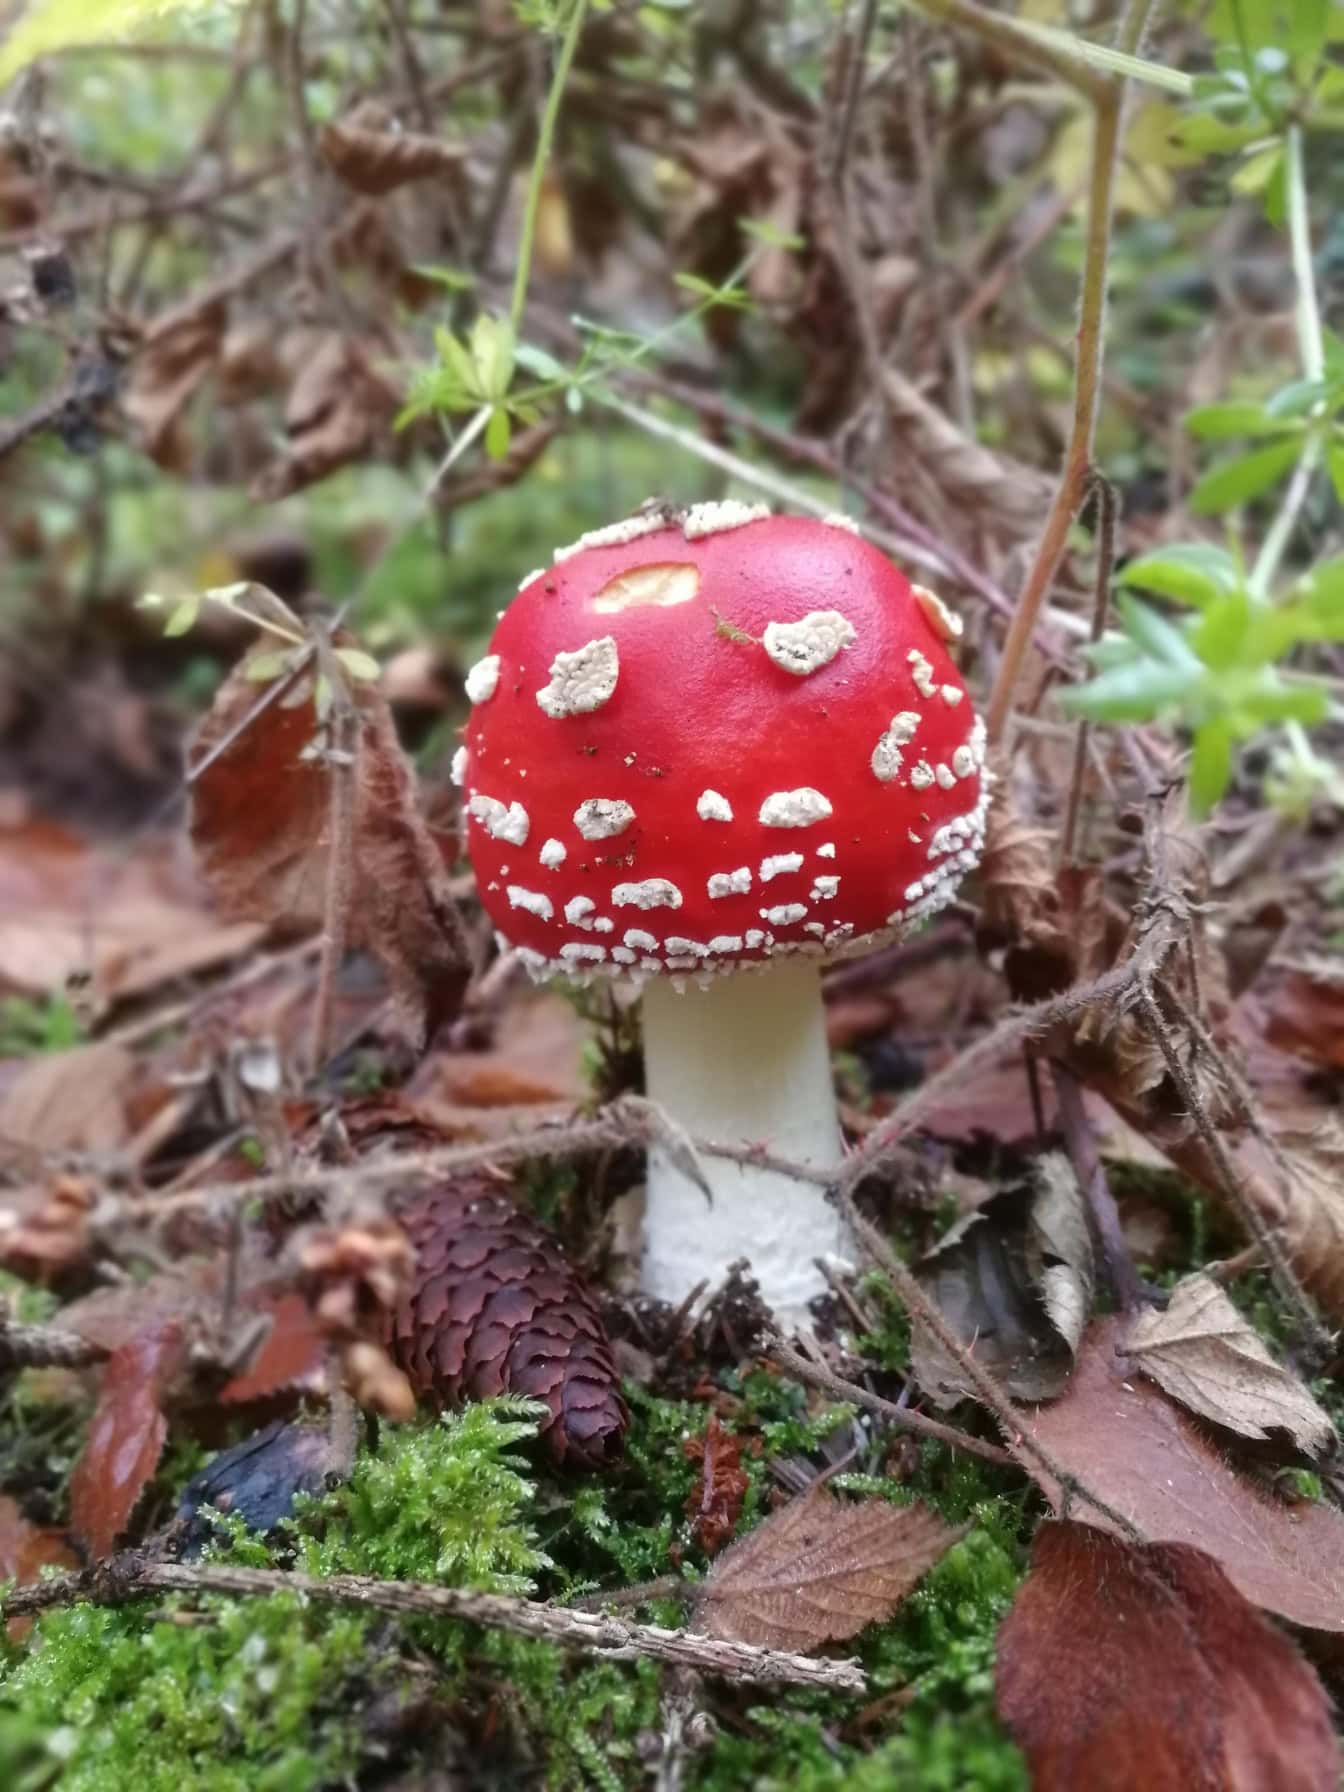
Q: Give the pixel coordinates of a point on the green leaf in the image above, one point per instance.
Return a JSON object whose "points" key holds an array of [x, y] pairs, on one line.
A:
{"points": [[1237, 481], [1220, 635], [359, 664], [1210, 763], [1306, 703], [1296, 398], [1155, 634], [1334, 460], [1136, 693], [264, 668], [539, 363], [1188, 572], [498, 433], [1216, 422], [183, 618], [1258, 169], [455, 279], [763, 231], [1215, 136], [492, 351]]}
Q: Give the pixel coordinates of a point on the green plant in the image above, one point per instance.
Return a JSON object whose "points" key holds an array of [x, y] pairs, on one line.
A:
{"points": [[30, 1024], [1222, 669]]}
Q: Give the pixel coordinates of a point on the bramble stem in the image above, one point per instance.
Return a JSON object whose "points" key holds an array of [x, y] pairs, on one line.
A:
{"points": [[545, 138]]}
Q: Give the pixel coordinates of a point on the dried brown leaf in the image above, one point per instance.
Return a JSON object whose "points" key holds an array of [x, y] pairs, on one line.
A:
{"points": [[125, 1437], [1306, 1012], [376, 161], [1204, 1354], [26, 1549], [1126, 1442], [259, 824], [714, 1504], [338, 406], [1128, 1665], [820, 1570], [1014, 1280], [173, 362], [70, 1101]]}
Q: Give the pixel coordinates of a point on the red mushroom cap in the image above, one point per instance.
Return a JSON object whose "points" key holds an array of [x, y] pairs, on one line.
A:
{"points": [[706, 737]]}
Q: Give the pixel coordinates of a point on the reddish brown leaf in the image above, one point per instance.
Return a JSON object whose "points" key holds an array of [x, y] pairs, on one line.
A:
{"points": [[177, 355], [125, 1438], [293, 1354], [1123, 1666], [1306, 1013], [1129, 1444], [260, 828], [714, 1504], [25, 1549], [498, 1309], [819, 1570]]}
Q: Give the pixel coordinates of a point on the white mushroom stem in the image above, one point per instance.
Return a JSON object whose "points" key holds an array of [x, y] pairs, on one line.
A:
{"points": [[743, 1062]]}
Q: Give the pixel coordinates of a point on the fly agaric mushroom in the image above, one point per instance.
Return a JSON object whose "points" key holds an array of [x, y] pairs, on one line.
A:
{"points": [[715, 741]]}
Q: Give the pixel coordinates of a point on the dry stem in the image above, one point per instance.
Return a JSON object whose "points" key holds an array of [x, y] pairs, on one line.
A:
{"points": [[134, 1576]]}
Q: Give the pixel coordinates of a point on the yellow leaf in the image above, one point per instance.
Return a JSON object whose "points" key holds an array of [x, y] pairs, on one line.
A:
{"points": [[48, 25]]}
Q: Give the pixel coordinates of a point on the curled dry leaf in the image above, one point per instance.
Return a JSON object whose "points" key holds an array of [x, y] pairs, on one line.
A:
{"points": [[376, 161], [497, 1308], [1123, 1440], [1127, 1665], [338, 406], [714, 1504], [820, 1570], [125, 1438], [1015, 1279], [1204, 1354], [259, 824], [173, 362]]}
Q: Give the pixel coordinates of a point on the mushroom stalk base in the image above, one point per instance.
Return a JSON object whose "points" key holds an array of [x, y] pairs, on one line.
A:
{"points": [[743, 1062]]}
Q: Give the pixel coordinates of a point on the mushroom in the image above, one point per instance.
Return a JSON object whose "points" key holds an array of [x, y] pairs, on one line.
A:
{"points": [[708, 742]]}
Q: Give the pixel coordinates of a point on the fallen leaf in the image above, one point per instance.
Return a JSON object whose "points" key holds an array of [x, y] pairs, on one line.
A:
{"points": [[714, 1504], [127, 924], [70, 1101], [293, 1354], [1306, 1012], [1124, 1441], [1015, 1281], [1127, 1665], [820, 1570], [1204, 1354], [376, 161], [125, 1437], [172, 363], [1059, 1247], [25, 1549], [259, 824]]}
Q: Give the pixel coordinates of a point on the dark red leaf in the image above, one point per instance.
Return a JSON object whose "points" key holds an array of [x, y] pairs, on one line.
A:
{"points": [[125, 1438], [1125, 1666]]}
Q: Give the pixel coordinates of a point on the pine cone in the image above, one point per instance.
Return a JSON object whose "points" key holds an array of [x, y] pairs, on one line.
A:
{"points": [[497, 1309]]}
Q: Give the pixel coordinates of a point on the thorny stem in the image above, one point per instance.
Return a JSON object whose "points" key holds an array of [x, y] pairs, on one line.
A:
{"points": [[1311, 348], [1108, 96], [134, 1576], [542, 158]]}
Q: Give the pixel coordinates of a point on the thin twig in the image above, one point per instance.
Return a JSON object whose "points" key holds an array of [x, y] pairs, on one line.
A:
{"points": [[134, 1576], [1107, 503], [919, 1306], [1091, 1173], [1108, 95], [905, 1418]]}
